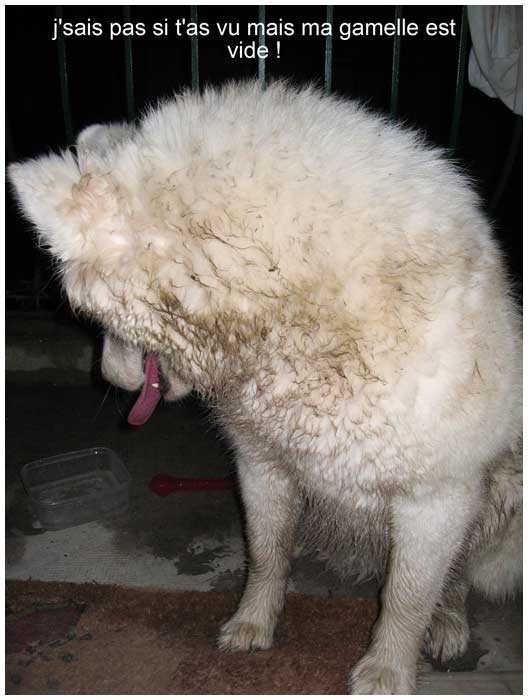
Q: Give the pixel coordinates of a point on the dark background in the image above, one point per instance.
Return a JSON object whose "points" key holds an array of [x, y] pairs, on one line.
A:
{"points": [[361, 69]]}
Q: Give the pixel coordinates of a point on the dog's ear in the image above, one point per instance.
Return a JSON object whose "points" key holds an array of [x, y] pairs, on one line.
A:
{"points": [[103, 137], [43, 188], [78, 216], [97, 142]]}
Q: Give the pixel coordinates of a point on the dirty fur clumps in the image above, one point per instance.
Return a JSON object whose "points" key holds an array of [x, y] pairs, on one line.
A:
{"points": [[330, 284]]}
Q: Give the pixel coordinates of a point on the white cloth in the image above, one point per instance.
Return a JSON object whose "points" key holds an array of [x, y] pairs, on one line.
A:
{"points": [[495, 61]]}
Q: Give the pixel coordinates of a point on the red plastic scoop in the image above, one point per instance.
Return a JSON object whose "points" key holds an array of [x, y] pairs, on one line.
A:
{"points": [[163, 484], [150, 394]]}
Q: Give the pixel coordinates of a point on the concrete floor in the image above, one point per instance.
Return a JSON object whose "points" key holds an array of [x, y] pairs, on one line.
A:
{"points": [[188, 540]]}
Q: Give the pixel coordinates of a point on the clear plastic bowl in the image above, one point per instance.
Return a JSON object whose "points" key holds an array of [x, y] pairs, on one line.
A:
{"points": [[77, 487]]}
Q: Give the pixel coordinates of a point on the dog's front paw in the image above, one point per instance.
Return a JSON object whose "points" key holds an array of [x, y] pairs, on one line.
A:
{"points": [[448, 635], [237, 635], [371, 676]]}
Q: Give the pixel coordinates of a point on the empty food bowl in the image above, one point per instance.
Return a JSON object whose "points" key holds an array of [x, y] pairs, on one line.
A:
{"points": [[77, 487]]}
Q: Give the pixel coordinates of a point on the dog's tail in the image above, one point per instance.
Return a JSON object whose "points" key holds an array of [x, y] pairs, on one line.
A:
{"points": [[495, 562]]}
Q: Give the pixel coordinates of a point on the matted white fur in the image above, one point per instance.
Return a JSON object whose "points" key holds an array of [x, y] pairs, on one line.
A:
{"points": [[330, 284]]}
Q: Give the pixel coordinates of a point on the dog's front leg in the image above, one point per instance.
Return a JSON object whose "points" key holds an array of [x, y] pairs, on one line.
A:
{"points": [[427, 531], [272, 506]]}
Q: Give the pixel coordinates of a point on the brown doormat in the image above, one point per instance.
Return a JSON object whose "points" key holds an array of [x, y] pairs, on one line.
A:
{"points": [[92, 639]]}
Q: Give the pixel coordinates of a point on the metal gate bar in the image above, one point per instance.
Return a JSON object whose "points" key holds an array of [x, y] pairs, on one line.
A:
{"points": [[129, 70], [396, 52], [460, 82], [63, 76], [507, 168], [262, 42], [195, 67], [329, 50]]}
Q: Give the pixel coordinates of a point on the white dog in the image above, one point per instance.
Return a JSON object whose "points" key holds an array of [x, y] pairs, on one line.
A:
{"points": [[330, 284]]}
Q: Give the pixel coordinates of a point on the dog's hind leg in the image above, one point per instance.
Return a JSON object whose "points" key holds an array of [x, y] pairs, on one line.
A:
{"points": [[496, 563], [447, 635], [427, 533], [272, 507]]}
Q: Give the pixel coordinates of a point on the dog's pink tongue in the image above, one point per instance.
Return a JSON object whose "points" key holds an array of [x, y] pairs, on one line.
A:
{"points": [[150, 394]]}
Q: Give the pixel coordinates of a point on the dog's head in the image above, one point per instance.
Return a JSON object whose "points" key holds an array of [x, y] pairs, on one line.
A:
{"points": [[128, 252], [84, 216], [90, 213]]}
